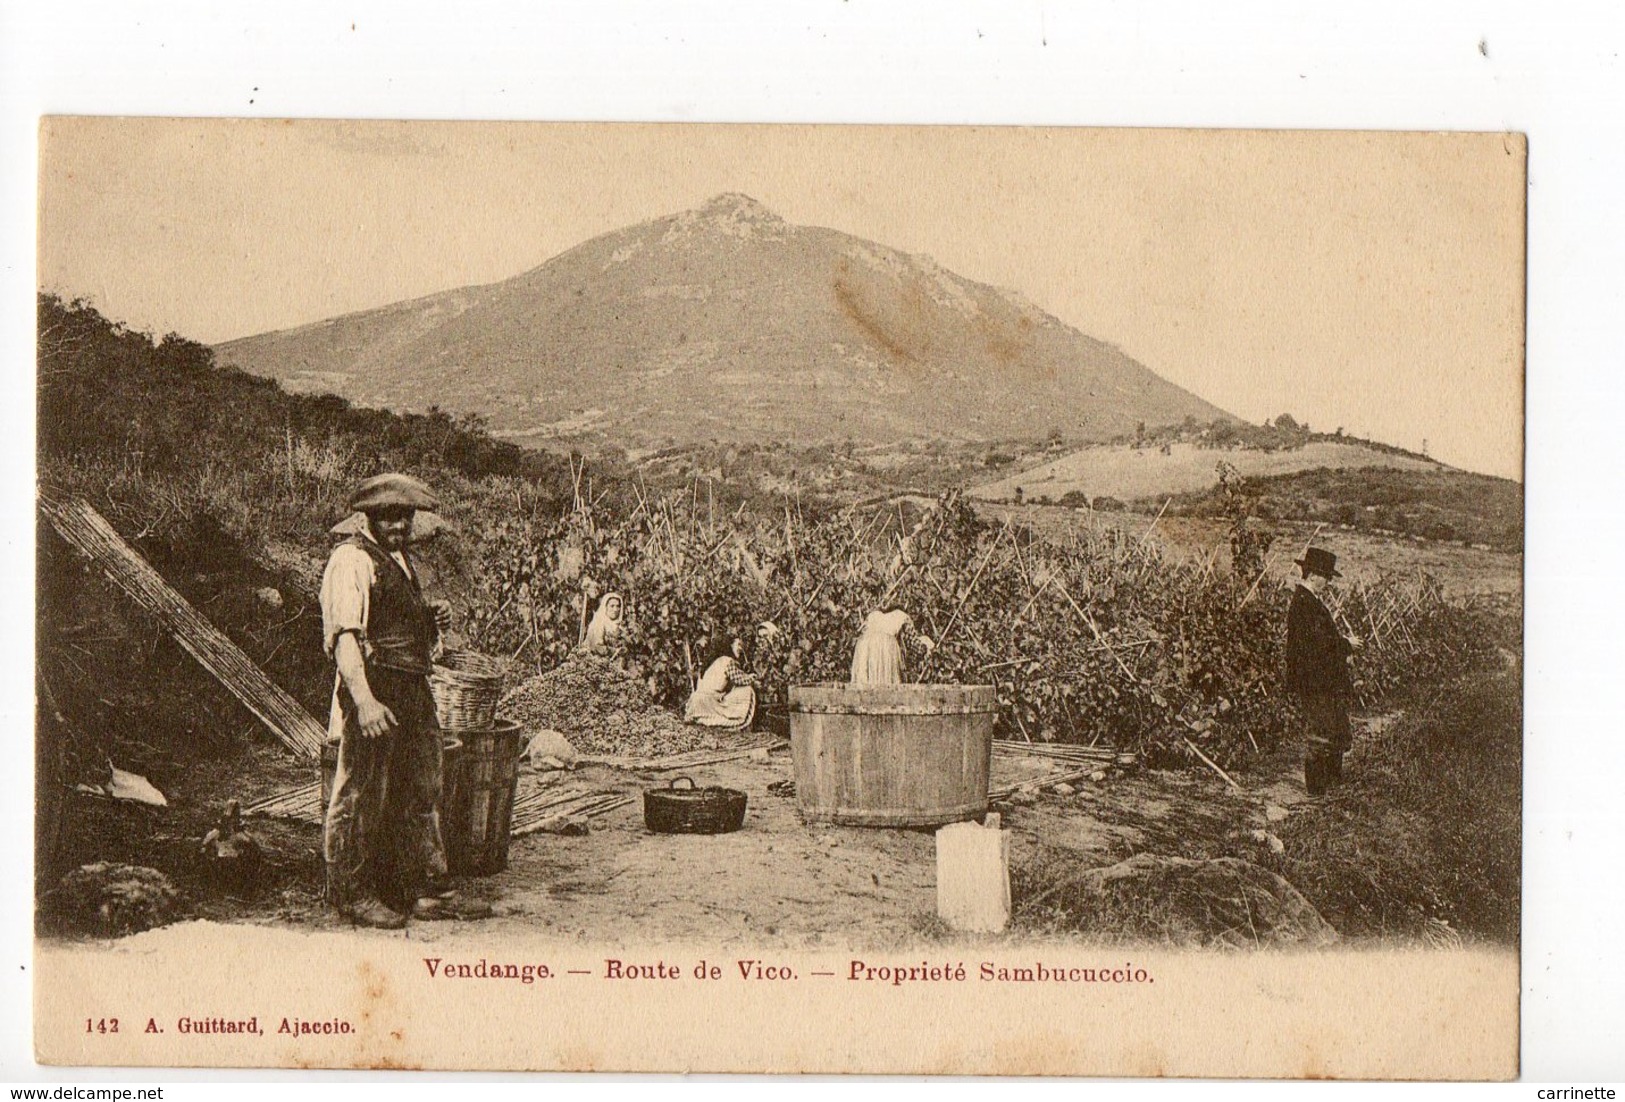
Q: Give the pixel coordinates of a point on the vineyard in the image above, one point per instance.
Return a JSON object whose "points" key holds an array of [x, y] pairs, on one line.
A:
{"points": [[1120, 631], [1098, 639], [1091, 636]]}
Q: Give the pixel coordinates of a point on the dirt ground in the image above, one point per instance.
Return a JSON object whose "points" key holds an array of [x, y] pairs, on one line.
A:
{"points": [[776, 882], [801, 885]]}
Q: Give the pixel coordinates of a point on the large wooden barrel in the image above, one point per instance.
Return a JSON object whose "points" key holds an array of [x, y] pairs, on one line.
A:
{"points": [[891, 755]]}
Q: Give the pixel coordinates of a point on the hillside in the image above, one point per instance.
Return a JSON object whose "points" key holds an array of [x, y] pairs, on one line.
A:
{"points": [[228, 486], [1126, 473], [1440, 504], [729, 323]]}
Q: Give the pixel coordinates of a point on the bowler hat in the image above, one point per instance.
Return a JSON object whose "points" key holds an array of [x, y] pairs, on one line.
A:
{"points": [[1318, 560], [392, 491]]}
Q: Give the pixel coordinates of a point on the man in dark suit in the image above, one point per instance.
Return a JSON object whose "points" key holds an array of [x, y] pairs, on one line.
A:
{"points": [[1317, 671]]}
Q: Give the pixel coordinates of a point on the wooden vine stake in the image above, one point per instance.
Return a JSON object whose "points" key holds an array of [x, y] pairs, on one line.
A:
{"points": [[90, 534]]}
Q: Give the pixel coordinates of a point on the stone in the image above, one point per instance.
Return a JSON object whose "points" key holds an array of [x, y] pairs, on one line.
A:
{"points": [[1275, 813], [565, 826], [111, 900], [1064, 789], [973, 877], [1225, 901], [550, 750]]}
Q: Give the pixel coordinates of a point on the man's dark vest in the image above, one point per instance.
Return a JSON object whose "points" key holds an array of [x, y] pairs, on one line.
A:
{"points": [[400, 626]]}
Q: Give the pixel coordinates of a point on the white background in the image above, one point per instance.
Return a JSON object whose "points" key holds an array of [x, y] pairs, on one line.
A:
{"points": [[1550, 70]]}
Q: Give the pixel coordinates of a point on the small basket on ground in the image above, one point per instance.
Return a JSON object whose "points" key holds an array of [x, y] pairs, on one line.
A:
{"points": [[467, 687], [693, 810]]}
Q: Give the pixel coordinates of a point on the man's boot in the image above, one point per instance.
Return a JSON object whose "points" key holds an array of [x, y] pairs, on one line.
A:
{"points": [[374, 914], [448, 904], [1315, 777]]}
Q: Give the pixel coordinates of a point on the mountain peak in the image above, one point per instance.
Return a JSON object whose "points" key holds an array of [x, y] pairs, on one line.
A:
{"points": [[737, 205], [725, 321], [731, 214]]}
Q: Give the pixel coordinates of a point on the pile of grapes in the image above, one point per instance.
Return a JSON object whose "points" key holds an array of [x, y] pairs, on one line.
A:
{"points": [[603, 709]]}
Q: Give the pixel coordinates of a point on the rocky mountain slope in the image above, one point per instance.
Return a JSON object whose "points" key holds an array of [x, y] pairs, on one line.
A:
{"points": [[729, 323]]}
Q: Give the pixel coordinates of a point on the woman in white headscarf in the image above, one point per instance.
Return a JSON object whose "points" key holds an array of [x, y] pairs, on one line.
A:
{"points": [[604, 632], [726, 694], [880, 658]]}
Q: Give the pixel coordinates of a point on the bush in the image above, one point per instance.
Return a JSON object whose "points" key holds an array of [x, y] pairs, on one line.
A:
{"points": [[1434, 504], [1425, 837]]}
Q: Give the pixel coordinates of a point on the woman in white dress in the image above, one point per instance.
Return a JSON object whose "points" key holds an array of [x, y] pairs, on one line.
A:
{"points": [[880, 658], [726, 694]]}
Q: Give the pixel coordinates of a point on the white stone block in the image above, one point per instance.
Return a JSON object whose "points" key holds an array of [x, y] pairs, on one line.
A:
{"points": [[973, 876]]}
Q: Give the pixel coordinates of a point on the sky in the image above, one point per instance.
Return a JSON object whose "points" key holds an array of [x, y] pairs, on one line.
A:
{"points": [[1368, 281]]}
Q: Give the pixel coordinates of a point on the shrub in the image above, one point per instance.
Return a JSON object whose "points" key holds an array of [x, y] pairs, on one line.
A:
{"points": [[1448, 864]]}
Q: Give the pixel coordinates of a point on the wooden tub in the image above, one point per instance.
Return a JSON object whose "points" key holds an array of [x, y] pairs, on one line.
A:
{"points": [[891, 755]]}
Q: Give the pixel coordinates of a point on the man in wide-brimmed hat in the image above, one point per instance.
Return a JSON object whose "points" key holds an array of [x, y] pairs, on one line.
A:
{"points": [[386, 858], [1317, 671]]}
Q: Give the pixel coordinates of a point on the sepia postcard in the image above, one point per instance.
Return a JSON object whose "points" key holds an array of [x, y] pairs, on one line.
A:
{"points": [[783, 599]]}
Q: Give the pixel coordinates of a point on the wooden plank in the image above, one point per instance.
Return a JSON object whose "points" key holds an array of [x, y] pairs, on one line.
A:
{"points": [[84, 528], [1009, 748], [695, 758], [1041, 781], [531, 810], [585, 806], [303, 802]]}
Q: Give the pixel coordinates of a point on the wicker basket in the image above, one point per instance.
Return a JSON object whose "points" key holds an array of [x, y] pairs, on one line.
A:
{"points": [[466, 687], [692, 810]]}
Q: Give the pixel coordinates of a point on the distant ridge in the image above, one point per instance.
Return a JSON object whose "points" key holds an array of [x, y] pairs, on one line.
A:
{"points": [[729, 323]]}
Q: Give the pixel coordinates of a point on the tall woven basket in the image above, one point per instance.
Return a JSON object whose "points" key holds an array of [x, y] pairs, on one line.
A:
{"points": [[466, 687]]}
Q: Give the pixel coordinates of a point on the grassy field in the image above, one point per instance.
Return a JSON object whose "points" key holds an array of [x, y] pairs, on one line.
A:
{"points": [[1466, 573], [1425, 839], [1420, 845], [1440, 505], [1126, 473]]}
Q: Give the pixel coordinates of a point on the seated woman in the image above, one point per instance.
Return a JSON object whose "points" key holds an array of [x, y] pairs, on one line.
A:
{"points": [[604, 632], [879, 657], [726, 694]]}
